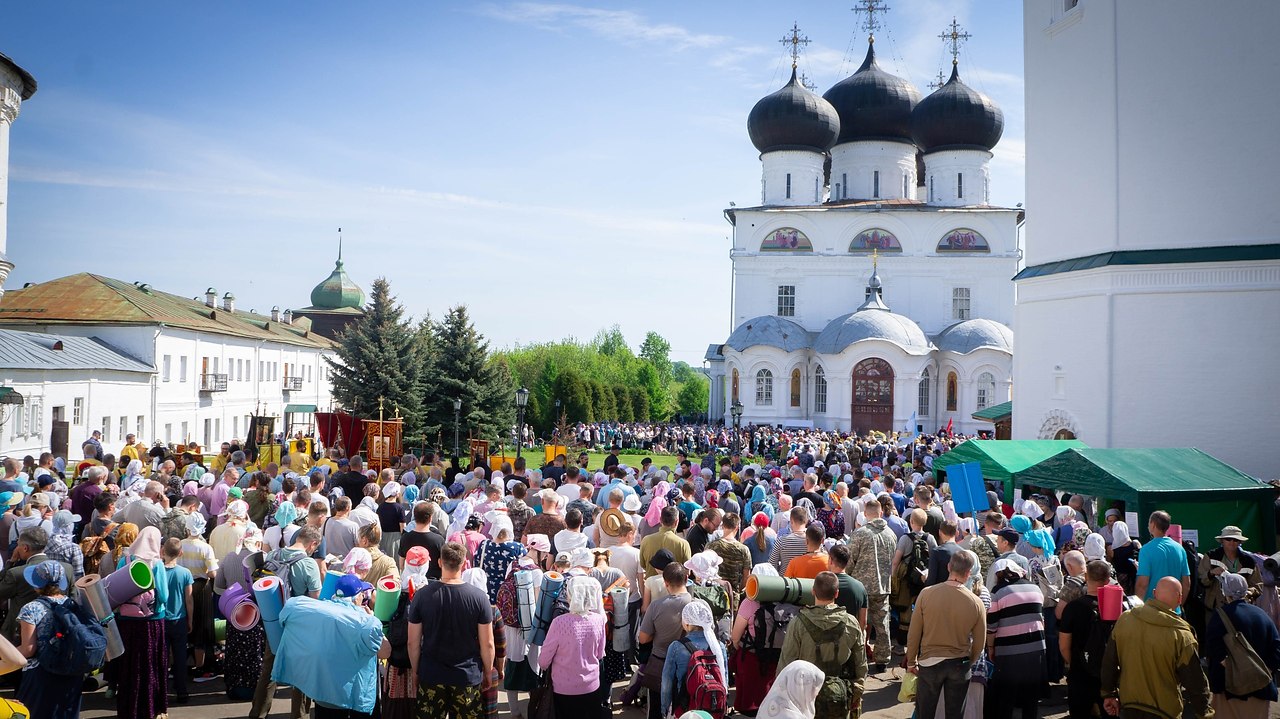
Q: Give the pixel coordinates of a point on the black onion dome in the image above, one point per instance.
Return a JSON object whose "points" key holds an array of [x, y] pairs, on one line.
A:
{"points": [[956, 117], [873, 104], [793, 119]]}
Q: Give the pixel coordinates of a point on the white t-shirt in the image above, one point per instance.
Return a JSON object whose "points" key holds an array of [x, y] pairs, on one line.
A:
{"points": [[627, 560], [569, 491]]}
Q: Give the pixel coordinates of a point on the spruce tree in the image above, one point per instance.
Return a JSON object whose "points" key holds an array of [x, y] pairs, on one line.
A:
{"points": [[380, 357], [461, 370]]}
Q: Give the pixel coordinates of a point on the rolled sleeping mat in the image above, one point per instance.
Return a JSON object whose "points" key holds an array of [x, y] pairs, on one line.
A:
{"points": [[220, 630], [244, 616], [386, 598], [621, 619], [525, 599], [94, 596], [273, 630], [330, 585], [783, 590], [268, 592], [552, 583], [232, 597], [128, 582]]}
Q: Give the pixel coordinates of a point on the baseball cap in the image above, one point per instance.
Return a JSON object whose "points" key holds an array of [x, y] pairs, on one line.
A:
{"points": [[64, 519], [1009, 535], [417, 557], [10, 498], [564, 558], [350, 585]]}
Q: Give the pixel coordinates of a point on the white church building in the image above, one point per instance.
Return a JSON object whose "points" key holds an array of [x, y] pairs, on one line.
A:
{"points": [[872, 282], [1148, 313]]}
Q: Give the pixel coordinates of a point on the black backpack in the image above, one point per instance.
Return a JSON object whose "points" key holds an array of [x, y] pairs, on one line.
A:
{"points": [[1095, 645], [769, 629], [917, 563], [397, 634]]}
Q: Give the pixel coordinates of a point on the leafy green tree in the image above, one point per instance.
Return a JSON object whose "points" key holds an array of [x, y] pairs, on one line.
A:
{"points": [[622, 401], [380, 357], [657, 351], [681, 372], [462, 370], [659, 394], [602, 400], [691, 400], [575, 396], [611, 342]]}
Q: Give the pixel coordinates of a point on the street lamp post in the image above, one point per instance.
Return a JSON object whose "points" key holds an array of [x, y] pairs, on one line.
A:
{"points": [[457, 416], [522, 401], [736, 411]]}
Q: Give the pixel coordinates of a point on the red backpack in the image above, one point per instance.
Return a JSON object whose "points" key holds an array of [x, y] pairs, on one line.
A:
{"points": [[704, 688]]}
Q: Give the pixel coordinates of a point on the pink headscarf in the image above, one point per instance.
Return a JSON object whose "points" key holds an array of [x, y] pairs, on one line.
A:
{"points": [[659, 503], [147, 546], [190, 488]]}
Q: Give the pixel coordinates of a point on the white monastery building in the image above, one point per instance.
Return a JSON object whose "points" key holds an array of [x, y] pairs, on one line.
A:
{"points": [[872, 282], [1148, 313]]}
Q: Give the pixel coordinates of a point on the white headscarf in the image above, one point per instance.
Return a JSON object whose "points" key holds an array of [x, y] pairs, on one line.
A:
{"points": [[461, 514], [1095, 546], [704, 565], [764, 569], [476, 578], [1119, 535], [499, 521], [793, 692], [584, 595], [698, 614]]}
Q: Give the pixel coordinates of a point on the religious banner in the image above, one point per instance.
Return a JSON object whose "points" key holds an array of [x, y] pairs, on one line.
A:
{"points": [[967, 490], [382, 442], [479, 453]]}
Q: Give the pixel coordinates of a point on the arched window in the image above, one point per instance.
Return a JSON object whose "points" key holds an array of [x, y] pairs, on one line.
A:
{"points": [[795, 387], [951, 391], [734, 387], [922, 394], [986, 390], [764, 388], [819, 391]]}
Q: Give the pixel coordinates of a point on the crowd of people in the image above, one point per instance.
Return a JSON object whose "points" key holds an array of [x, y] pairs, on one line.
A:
{"points": [[770, 583]]}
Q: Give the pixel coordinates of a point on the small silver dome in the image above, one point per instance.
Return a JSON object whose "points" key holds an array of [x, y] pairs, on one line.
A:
{"points": [[872, 324], [769, 331], [969, 335]]}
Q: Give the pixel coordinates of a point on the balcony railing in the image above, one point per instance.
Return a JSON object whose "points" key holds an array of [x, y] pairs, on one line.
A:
{"points": [[213, 383], [292, 384]]}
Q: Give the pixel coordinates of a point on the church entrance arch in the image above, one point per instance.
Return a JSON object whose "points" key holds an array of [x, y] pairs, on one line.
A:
{"points": [[872, 396]]}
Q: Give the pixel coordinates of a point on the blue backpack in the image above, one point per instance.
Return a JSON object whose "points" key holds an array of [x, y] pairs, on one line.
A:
{"points": [[74, 643]]}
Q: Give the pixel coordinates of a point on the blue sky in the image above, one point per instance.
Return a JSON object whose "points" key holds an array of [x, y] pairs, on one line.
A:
{"points": [[558, 167]]}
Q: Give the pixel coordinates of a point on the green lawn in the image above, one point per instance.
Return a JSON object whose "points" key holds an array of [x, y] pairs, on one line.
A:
{"points": [[534, 458]]}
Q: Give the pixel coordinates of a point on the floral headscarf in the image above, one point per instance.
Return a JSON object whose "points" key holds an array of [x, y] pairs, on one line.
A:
{"points": [[659, 503]]}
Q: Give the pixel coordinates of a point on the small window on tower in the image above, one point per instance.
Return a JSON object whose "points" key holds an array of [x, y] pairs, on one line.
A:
{"points": [[930, 188], [960, 303], [960, 185], [906, 185], [788, 185], [875, 183], [786, 300], [844, 185]]}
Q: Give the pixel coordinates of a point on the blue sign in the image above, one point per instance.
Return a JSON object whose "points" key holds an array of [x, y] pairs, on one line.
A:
{"points": [[967, 490]]}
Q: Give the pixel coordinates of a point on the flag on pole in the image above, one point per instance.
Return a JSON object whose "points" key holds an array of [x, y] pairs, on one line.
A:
{"points": [[950, 423], [909, 431]]}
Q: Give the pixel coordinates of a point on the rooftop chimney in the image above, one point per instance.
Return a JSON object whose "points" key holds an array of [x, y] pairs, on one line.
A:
{"points": [[275, 314], [229, 302], [210, 297], [288, 317]]}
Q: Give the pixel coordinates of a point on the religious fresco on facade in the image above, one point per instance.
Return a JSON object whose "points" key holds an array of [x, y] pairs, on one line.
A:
{"points": [[875, 239], [787, 239], [963, 240]]}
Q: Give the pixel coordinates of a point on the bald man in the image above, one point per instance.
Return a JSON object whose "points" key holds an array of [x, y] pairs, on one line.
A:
{"points": [[1152, 660]]}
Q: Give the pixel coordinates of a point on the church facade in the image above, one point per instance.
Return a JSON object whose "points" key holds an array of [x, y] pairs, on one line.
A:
{"points": [[871, 285]]}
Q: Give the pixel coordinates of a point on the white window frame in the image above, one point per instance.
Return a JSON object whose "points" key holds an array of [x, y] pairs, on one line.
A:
{"points": [[961, 303], [77, 411], [182, 368], [986, 384], [124, 428], [819, 391], [142, 426], [764, 388], [923, 394], [166, 367], [18, 428], [106, 429], [786, 300]]}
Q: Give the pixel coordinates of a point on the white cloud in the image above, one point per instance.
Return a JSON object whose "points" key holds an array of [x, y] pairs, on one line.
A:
{"points": [[622, 25]]}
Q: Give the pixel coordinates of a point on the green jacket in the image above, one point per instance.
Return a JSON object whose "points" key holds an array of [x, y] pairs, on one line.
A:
{"points": [[1151, 660], [848, 652]]}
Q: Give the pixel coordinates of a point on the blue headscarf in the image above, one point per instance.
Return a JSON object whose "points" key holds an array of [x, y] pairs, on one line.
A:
{"points": [[1020, 523], [1040, 539]]}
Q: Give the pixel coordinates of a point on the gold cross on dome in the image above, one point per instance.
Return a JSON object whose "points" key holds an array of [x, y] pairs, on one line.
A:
{"points": [[870, 8], [875, 259], [955, 39], [795, 40]]}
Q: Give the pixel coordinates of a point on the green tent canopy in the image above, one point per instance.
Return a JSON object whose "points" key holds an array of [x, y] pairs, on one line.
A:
{"points": [[995, 413], [1200, 493], [1001, 458]]}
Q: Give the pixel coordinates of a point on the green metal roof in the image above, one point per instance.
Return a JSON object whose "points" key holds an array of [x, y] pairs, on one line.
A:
{"points": [[337, 291], [1127, 473], [1188, 255], [1001, 458], [299, 409], [995, 413]]}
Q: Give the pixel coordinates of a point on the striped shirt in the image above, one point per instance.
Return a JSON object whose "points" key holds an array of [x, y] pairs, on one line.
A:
{"points": [[1015, 619], [197, 557], [786, 549]]}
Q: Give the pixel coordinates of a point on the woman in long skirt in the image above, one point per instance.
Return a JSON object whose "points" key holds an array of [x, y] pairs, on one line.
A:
{"points": [[244, 660], [143, 678]]}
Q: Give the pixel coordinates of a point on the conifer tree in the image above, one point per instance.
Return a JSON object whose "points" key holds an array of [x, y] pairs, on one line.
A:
{"points": [[380, 356], [460, 369]]}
